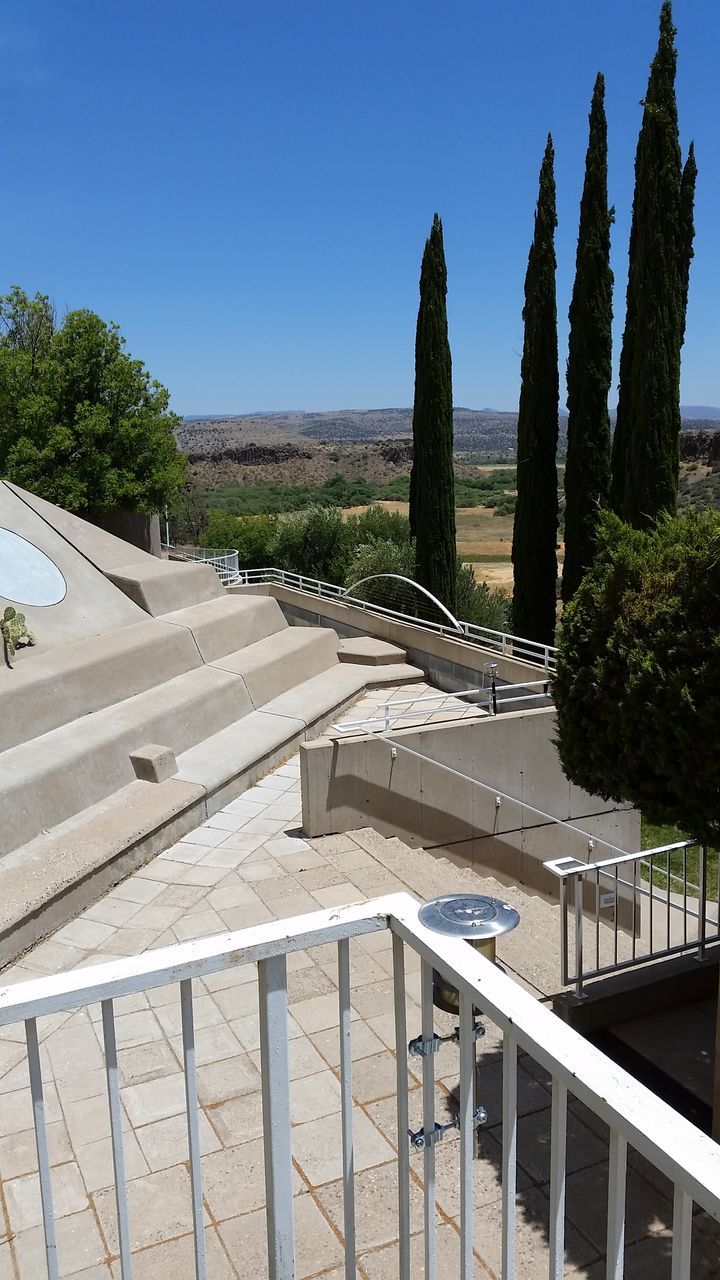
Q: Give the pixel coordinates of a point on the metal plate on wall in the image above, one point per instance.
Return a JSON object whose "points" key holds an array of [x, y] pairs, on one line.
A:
{"points": [[27, 575]]}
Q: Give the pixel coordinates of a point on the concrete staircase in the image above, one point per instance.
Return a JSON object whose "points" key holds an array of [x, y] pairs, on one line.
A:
{"points": [[225, 685]]}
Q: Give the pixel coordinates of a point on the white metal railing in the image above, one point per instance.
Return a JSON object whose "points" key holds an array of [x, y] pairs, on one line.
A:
{"points": [[501, 642], [489, 698], [635, 1116], [223, 560], [677, 920]]}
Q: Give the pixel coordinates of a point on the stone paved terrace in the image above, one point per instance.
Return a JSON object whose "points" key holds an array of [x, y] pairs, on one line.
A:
{"points": [[249, 864]]}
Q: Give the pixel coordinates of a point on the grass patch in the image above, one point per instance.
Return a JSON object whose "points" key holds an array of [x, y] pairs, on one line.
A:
{"points": [[654, 835]]}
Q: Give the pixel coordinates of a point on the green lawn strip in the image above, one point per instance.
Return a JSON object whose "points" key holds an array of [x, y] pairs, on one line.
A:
{"points": [[654, 836]]}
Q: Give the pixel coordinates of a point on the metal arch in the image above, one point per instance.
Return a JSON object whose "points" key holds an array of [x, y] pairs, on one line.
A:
{"points": [[399, 578]]}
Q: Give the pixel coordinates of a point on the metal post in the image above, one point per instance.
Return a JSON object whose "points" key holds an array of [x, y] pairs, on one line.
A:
{"points": [[579, 936], [702, 922], [275, 1073]]}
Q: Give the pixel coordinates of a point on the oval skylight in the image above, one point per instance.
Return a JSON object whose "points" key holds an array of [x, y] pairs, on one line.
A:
{"points": [[27, 575]]}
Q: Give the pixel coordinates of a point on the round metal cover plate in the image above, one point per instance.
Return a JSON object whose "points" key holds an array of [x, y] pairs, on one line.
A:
{"points": [[469, 915], [27, 575]]}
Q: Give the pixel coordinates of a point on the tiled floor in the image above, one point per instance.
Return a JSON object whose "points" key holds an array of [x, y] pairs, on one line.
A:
{"points": [[250, 864]]}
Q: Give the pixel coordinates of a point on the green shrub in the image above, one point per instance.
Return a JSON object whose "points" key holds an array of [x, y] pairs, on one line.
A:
{"points": [[479, 603], [14, 632], [313, 542], [253, 537], [637, 688], [384, 556]]}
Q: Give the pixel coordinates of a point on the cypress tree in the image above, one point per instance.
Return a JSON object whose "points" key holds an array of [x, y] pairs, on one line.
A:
{"points": [[432, 479], [589, 368], [535, 531], [687, 231], [645, 446]]}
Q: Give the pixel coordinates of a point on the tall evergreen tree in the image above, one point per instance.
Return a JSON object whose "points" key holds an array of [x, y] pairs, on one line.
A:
{"points": [[589, 368], [645, 446], [687, 230], [432, 480], [535, 532]]}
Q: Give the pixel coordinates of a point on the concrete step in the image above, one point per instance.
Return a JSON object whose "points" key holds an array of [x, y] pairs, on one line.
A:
{"points": [[60, 773], [226, 763], [223, 626], [274, 664], [57, 687], [369, 652]]}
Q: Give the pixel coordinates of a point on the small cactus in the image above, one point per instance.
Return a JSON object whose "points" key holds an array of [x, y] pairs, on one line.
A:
{"points": [[15, 633]]}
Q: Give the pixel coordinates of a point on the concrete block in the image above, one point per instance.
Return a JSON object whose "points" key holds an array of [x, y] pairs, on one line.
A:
{"points": [[282, 661], [153, 763], [162, 586], [229, 623], [73, 681], [369, 651]]}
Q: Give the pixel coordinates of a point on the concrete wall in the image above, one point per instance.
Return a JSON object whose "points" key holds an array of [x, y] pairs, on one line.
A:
{"points": [[351, 783], [450, 664]]}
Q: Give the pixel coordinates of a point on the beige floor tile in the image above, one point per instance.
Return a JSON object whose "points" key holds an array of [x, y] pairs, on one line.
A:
{"points": [[227, 1079], [647, 1211], [22, 1196], [16, 1110], [18, 1152], [376, 1206], [486, 1172], [384, 1263], [531, 1240], [95, 1161], [212, 1044], [175, 1260], [155, 1099], [234, 1180], [146, 1062], [165, 1142], [238, 1120], [318, 1012], [314, 1096], [338, 895], [72, 1046], [158, 1208], [376, 1077], [316, 1245], [364, 1043], [79, 1244], [317, 1147]]}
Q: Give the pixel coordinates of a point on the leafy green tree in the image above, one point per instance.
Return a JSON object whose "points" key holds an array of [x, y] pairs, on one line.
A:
{"points": [[253, 537], [645, 445], [84, 425], [314, 542], [432, 479], [637, 689], [536, 512], [589, 369]]}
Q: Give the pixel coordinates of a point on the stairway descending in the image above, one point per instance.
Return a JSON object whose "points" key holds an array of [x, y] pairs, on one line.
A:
{"points": [[226, 685]]}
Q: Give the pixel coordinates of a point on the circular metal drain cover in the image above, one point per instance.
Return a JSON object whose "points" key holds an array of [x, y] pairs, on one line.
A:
{"points": [[469, 915]]}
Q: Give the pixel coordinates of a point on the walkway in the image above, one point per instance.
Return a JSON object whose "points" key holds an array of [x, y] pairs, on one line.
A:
{"points": [[248, 864]]}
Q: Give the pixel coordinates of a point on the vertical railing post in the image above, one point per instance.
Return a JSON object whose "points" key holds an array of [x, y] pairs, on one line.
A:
{"points": [[348, 1154], [41, 1145], [467, 1135], [275, 1074], [702, 906], [509, 1155], [564, 931], [428, 1101], [579, 935], [403, 1124]]}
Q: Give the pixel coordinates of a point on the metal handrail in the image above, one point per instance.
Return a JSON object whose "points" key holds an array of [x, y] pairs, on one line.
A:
{"points": [[504, 642], [627, 895], [635, 1116]]}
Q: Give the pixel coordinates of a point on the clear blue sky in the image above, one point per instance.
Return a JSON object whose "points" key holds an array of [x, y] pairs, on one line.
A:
{"points": [[245, 186]]}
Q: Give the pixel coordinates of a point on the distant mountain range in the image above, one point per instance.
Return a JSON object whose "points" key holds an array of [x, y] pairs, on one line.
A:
{"points": [[477, 431]]}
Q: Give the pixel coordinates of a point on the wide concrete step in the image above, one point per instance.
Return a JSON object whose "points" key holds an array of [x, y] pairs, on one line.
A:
{"points": [[369, 652], [226, 763], [229, 623], [274, 664], [62, 772], [51, 689]]}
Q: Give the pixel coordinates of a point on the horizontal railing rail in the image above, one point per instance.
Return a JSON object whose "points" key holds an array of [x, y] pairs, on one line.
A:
{"points": [[677, 921], [223, 560], [503, 643], [635, 1116], [489, 698]]}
